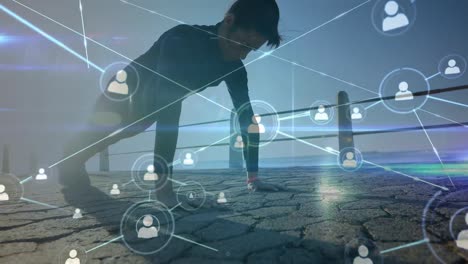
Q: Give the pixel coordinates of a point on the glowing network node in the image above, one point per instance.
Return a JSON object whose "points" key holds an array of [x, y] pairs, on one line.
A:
{"points": [[402, 86], [11, 189], [350, 159], [357, 113], [115, 190], [150, 172], [447, 237], [264, 121], [189, 159], [238, 145], [191, 195], [41, 176], [362, 251], [393, 17], [77, 214], [72, 254], [452, 66], [120, 81], [320, 114], [147, 227]]}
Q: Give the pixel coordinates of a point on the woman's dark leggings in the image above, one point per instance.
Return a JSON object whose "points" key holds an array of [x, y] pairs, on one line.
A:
{"points": [[112, 121]]}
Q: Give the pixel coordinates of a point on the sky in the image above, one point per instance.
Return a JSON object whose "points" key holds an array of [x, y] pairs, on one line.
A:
{"points": [[48, 93]]}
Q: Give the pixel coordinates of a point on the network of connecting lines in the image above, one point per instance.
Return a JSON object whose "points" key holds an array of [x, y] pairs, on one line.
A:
{"points": [[400, 101]]}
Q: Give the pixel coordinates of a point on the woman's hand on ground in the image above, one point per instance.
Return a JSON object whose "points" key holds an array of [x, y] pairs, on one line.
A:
{"points": [[261, 186]]}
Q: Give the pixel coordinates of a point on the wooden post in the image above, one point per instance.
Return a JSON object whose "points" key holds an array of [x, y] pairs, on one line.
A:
{"points": [[235, 157], [345, 126]]}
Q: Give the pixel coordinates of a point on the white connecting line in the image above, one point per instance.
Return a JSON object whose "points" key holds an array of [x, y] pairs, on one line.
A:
{"points": [[95, 66], [178, 182], [433, 147], [214, 143], [177, 162], [412, 244], [26, 180], [127, 183], [175, 206], [447, 101], [127, 58], [193, 242], [374, 104], [439, 116], [85, 42], [325, 74], [336, 153], [432, 76], [103, 244], [268, 53], [43, 204], [192, 92], [307, 113], [47, 36], [173, 235]]}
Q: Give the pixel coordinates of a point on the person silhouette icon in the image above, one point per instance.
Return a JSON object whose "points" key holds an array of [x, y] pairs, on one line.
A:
{"points": [[115, 190], [77, 214], [256, 127], [148, 230], [41, 175], [404, 94], [462, 238], [188, 159], [393, 19], [3, 195], [321, 115], [356, 114], [452, 68], [72, 257], [150, 175], [239, 143], [349, 162], [362, 258], [221, 198], [119, 86], [191, 195]]}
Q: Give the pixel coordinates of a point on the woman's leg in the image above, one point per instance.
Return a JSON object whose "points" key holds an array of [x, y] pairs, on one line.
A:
{"points": [[107, 118], [167, 131]]}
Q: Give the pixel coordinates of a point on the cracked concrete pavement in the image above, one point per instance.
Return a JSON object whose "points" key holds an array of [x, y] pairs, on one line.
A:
{"points": [[322, 210]]}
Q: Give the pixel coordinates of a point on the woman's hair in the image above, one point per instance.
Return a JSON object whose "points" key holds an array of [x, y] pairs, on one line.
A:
{"points": [[260, 15]]}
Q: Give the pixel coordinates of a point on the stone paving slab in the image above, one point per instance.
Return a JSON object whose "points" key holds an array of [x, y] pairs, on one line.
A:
{"points": [[321, 211]]}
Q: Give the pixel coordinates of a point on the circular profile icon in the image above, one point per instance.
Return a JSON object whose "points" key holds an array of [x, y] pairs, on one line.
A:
{"points": [[357, 113], [147, 227], [350, 159], [41, 175], [445, 226], [237, 143], [404, 90], [362, 251], [393, 17], [114, 190], [321, 112], [260, 118], [150, 172], [188, 159], [223, 197], [119, 81], [11, 189], [452, 66], [72, 254], [191, 195]]}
